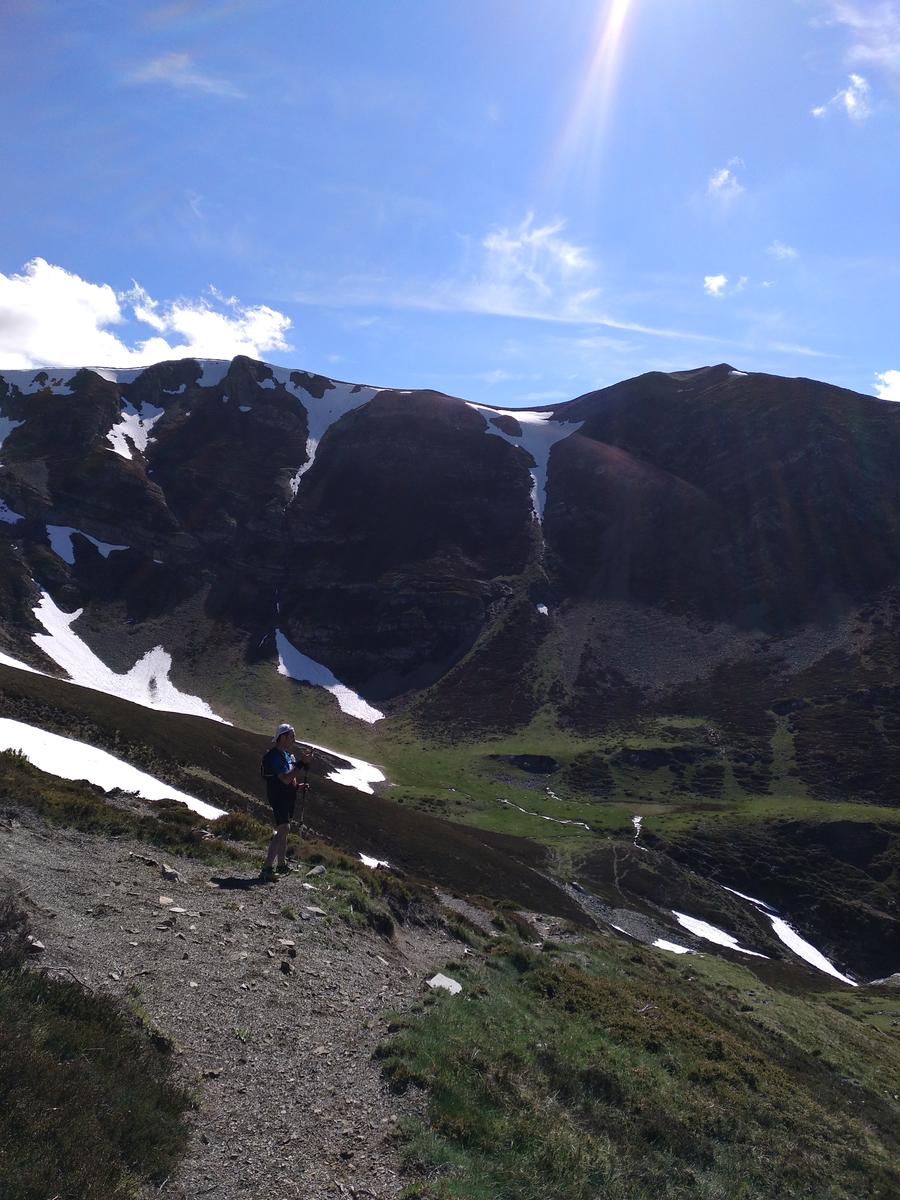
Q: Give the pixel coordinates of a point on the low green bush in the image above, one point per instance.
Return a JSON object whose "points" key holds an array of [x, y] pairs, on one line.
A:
{"points": [[88, 1110]]}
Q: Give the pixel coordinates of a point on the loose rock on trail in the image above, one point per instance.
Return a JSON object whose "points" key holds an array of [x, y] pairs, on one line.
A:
{"points": [[274, 1019]]}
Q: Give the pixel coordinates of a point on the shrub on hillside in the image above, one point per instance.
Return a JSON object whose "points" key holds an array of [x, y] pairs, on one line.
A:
{"points": [[87, 1107]]}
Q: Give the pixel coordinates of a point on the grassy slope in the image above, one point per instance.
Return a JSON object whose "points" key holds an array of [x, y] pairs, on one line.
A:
{"points": [[639, 1076], [605, 1067]]}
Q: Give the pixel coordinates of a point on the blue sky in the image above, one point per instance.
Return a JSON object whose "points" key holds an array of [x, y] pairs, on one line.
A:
{"points": [[510, 200]]}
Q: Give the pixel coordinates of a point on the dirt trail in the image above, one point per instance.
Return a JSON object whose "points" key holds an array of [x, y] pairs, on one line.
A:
{"points": [[291, 1102]]}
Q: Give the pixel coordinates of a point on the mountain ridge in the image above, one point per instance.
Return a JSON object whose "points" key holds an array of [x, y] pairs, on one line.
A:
{"points": [[742, 523]]}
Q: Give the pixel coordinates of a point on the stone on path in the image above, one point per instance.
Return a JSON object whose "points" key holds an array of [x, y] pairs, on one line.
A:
{"points": [[445, 982]]}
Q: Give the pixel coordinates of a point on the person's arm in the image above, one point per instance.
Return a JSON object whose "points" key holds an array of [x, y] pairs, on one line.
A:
{"points": [[302, 764], [286, 777]]}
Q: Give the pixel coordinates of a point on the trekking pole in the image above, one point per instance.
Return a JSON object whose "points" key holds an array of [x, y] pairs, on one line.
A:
{"points": [[304, 786]]}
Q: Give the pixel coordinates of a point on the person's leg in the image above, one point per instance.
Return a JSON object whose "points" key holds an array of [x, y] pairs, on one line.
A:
{"points": [[278, 845], [273, 849], [280, 839]]}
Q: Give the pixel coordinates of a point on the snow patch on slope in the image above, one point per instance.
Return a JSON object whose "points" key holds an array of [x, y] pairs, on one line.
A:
{"points": [[69, 759], [61, 543], [320, 414], [712, 933], [792, 939], [133, 426], [806, 950], [7, 425], [540, 433], [359, 774], [212, 371], [662, 944], [305, 670], [147, 683], [7, 515], [6, 661]]}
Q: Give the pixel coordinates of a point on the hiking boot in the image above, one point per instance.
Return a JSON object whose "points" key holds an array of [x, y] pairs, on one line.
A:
{"points": [[267, 875], [284, 868]]}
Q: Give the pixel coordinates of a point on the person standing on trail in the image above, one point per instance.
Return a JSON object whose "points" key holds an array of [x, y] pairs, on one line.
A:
{"points": [[281, 770]]}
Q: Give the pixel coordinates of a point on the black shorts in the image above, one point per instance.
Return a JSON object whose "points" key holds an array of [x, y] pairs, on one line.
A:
{"points": [[283, 806]]}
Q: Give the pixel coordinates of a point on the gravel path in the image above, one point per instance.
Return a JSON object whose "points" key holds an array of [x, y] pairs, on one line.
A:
{"points": [[274, 1019]]}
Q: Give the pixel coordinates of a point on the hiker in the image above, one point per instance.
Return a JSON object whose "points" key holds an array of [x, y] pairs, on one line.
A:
{"points": [[281, 769]]}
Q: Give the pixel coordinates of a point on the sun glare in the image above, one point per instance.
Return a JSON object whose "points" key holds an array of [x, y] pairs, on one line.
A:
{"points": [[582, 135]]}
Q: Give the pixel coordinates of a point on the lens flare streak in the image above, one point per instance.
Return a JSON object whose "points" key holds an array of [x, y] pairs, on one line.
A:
{"points": [[591, 110]]}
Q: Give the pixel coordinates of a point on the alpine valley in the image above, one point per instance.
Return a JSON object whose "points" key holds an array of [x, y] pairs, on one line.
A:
{"points": [[629, 662]]}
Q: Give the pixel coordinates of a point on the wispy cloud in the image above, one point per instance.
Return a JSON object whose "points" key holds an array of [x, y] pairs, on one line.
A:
{"points": [[529, 265], [852, 101], [887, 385], [875, 29], [723, 185], [52, 317], [802, 351], [781, 251], [530, 271], [177, 70]]}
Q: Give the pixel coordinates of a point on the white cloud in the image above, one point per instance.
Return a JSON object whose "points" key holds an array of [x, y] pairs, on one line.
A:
{"points": [[876, 32], [888, 385], [852, 100], [52, 317], [781, 251], [723, 184], [714, 285], [177, 70]]}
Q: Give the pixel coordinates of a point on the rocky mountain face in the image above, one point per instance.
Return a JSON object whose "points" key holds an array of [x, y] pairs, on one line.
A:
{"points": [[703, 544]]}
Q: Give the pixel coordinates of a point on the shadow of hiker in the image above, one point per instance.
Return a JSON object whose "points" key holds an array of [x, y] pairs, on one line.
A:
{"points": [[237, 883]]}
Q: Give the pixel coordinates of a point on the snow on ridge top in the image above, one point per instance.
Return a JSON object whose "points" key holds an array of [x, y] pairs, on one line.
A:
{"points": [[29, 382], [302, 668], [321, 414], [68, 758], [147, 683], [540, 433]]}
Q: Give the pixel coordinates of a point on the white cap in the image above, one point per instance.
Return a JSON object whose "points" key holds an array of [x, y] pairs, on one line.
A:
{"points": [[281, 730]]}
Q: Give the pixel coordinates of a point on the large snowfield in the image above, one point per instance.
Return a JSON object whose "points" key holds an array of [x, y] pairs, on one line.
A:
{"points": [[147, 682]]}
